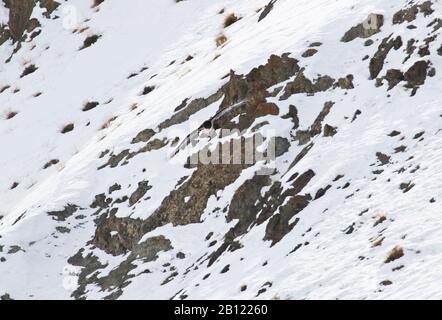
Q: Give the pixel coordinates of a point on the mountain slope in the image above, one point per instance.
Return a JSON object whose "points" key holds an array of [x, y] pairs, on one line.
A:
{"points": [[95, 100]]}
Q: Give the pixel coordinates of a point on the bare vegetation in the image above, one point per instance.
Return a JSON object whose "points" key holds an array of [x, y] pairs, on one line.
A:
{"points": [[230, 19], [220, 40]]}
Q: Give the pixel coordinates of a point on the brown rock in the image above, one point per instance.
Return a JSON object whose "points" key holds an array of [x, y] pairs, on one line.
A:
{"points": [[377, 62], [394, 254], [366, 29], [309, 53], [394, 76], [416, 75]]}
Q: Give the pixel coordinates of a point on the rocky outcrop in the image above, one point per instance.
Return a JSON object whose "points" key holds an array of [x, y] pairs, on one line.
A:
{"points": [[409, 14], [377, 62], [251, 208], [394, 76], [184, 113], [302, 84], [20, 21], [19, 17], [119, 277], [416, 75], [143, 136], [117, 235], [366, 29], [253, 87], [267, 9], [62, 215], [50, 6], [143, 187], [304, 136]]}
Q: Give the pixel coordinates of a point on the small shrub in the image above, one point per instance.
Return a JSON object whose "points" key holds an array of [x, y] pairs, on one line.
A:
{"points": [[394, 254], [220, 40], [107, 123], [230, 19], [380, 219]]}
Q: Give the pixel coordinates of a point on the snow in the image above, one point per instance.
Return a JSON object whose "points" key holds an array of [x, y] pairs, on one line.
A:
{"points": [[151, 34]]}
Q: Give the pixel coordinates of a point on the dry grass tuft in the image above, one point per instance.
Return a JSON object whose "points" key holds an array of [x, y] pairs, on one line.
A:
{"points": [[394, 254], [230, 19], [220, 40]]}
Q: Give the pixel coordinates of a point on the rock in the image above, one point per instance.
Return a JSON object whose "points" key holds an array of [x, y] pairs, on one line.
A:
{"points": [[394, 76], [386, 283], [266, 10], [329, 131], [293, 115], [62, 215], [118, 277], [14, 249], [278, 226], [304, 136], [409, 14], [416, 75], [28, 70], [302, 84], [67, 128], [114, 187], [89, 41], [383, 158], [90, 105], [5, 297], [432, 72], [309, 53], [62, 229], [50, 163], [225, 269], [115, 159], [403, 15], [5, 34], [344, 83], [50, 6], [147, 90], [377, 62], [394, 254], [19, 17], [143, 136], [366, 29], [193, 107], [143, 187]]}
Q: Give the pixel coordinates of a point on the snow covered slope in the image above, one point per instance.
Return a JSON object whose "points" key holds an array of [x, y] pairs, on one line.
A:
{"points": [[97, 95]]}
